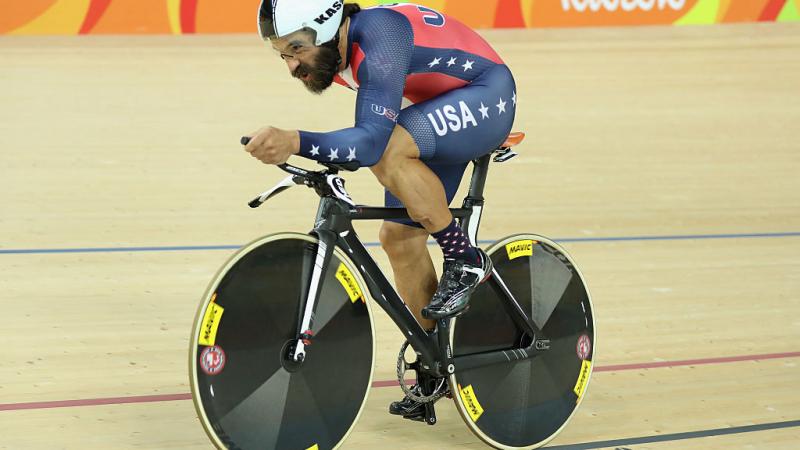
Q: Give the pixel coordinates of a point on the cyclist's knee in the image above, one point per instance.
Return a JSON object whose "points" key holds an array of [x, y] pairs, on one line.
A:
{"points": [[423, 217]]}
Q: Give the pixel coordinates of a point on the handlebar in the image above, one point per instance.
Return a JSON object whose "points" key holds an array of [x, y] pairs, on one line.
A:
{"points": [[333, 168], [318, 180]]}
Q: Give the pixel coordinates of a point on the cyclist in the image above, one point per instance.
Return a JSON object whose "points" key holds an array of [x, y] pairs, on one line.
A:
{"points": [[432, 96]]}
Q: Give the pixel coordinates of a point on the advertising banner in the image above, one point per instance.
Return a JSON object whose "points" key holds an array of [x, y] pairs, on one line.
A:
{"points": [[20, 17]]}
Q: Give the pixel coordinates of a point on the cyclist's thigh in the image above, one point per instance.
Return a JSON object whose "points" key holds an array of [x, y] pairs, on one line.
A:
{"points": [[463, 124]]}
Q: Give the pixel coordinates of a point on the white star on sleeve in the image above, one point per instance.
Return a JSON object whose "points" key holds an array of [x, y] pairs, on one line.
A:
{"points": [[484, 111], [501, 107], [514, 98], [451, 61], [315, 150], [352, 154], [435, 62], [334, 154], [468, 65]]}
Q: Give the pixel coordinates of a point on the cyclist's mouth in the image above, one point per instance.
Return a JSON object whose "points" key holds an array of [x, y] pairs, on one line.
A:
{"points": [[302, 73]]}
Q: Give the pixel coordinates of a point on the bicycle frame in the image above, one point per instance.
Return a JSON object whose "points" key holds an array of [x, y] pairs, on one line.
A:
{"points": [[333, 227]]}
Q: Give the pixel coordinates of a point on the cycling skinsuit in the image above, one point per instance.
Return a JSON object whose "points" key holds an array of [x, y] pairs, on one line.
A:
{"points": [[454, 94]]}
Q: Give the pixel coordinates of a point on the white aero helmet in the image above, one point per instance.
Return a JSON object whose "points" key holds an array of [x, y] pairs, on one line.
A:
{"points": [[278, 18]]}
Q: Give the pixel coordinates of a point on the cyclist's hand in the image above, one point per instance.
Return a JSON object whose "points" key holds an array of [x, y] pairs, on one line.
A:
{"points": [[272, 145]]}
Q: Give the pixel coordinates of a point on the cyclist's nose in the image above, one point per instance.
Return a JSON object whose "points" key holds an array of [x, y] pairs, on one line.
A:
{"points": [[292, 64]]}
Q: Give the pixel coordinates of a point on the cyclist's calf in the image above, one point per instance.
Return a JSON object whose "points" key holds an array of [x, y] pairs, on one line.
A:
{"points": [[414, 275], [404, 244]]}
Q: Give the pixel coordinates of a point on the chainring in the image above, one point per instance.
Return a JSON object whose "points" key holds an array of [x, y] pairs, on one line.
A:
{"points": [[404, 366]]}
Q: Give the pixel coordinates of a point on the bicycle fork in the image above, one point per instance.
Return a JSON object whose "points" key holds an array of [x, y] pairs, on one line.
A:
{"points": [[310, 292]]}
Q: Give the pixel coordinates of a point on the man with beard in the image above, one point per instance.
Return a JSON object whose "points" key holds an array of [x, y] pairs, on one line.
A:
{"points": [[432, 96]]}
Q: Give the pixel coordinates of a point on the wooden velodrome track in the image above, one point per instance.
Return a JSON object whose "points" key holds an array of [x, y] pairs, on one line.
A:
{"points": [[665, 159]]}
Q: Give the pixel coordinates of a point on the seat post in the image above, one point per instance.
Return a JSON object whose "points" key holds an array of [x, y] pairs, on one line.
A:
{"points": [[474, 199], [479, 174]]}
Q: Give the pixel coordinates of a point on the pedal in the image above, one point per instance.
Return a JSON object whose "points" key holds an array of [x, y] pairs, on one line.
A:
{"points": [[419, 416], [504, 154]]}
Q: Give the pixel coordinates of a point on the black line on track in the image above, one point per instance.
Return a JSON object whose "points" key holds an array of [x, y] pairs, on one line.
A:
{"points": [[676, 436]]}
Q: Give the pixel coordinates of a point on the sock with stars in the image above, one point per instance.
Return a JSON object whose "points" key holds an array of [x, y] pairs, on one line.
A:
{"points": [[455, 244]]}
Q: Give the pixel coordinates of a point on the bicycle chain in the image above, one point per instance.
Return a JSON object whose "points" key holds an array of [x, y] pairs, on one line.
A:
{"points": [[403, 367]]}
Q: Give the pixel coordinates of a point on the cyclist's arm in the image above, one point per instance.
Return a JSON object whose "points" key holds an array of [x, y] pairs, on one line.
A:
{"points": [[382, 77]]}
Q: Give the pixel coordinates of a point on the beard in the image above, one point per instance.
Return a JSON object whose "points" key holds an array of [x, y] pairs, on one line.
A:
{"points": [[319, 76]]}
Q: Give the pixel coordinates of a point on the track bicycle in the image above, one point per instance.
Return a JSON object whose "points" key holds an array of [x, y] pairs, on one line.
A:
{"points": [[282, 347]]}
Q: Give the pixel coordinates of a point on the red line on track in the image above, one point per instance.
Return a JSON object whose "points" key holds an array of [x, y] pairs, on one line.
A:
{"points": [[95, 402], [696, 362], [383, 383]]}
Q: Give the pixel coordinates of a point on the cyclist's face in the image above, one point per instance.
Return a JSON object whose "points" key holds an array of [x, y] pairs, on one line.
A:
{"points": [[314, 66]]}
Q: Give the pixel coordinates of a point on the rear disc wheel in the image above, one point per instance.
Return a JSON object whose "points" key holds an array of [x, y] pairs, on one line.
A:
{"points": [[522, 404]]}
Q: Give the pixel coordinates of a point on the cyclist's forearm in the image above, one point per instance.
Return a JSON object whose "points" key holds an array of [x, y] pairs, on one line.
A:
{"points": [[363, 143]]}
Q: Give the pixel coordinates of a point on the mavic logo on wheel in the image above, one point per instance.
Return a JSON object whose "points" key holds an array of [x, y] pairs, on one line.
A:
{"points": [[451, 119], [583, 379], [211, 318], [330, 12], [474, 409], [519, 248], [349, 284]]}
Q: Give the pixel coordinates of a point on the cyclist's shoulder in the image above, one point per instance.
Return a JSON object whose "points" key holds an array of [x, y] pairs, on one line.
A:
{"points": [[380, 30], [380, 21]]}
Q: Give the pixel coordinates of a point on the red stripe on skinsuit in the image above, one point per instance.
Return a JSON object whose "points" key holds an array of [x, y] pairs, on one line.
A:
{"points": [[425, 86]]}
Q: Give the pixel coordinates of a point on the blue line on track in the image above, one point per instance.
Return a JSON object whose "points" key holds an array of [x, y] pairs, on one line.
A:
{"points": [[680, 237], [119, 249], [375, 244], [676, 436]]}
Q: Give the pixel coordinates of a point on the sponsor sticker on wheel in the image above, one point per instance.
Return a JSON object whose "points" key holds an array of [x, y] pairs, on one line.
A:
{"points": [[474, 409], [583, 347], [211, 319], [349, 283], [212, 360], [520, 248], [583, 378]]}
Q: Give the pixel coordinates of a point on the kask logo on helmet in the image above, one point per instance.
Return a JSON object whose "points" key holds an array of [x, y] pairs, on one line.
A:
{"points": [[330, 12], [624, 5]]}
